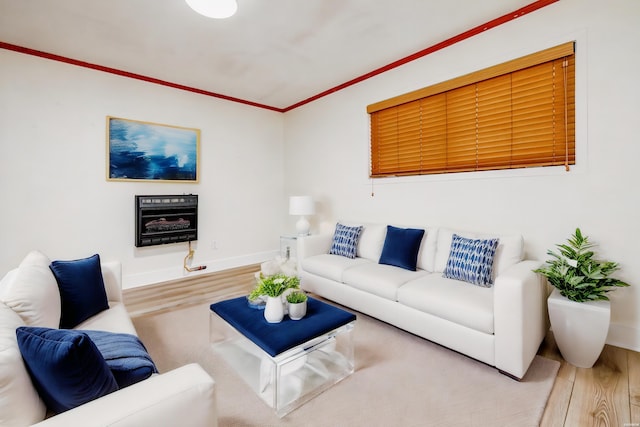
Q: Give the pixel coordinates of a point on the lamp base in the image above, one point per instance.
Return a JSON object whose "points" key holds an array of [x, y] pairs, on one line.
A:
{"points": [[302, 226]]}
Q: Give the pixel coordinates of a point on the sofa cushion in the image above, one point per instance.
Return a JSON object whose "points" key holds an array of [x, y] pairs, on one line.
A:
{"points": [[81, 289], [331, 266], [427, 252], [345, 240], [31, 291], [471, 260], [125, 355], [371, 241], [112, 278], [401, 246], [65, 366], [510, 249], [20, 404], [453, 300], [116, 320], [379, 279]]}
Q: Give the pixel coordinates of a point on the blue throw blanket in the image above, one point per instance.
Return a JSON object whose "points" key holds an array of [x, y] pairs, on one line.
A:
{"points": [[125, 355]]}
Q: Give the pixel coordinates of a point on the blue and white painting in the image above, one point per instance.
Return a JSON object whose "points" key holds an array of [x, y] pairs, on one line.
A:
{"points": [[150, 151]]}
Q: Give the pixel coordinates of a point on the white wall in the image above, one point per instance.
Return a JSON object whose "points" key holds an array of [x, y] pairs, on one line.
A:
{"points": [[54, 194], [55, 197], [326, 146]]}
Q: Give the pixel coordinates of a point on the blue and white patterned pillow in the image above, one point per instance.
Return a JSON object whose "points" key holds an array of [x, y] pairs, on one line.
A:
{"points": [[471, 260], [345, 240]]}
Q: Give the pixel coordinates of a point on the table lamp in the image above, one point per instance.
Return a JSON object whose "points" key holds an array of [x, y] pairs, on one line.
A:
{"points": [[303, 206]]}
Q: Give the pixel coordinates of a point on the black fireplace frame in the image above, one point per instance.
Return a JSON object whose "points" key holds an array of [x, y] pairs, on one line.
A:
{"points": [[165, 219]]}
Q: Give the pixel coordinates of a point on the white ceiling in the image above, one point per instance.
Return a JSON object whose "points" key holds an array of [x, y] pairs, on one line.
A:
{"points": [[272, 52]]}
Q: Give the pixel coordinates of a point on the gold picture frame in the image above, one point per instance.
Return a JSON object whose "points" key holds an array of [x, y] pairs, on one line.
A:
{"points": [[138, 150]]}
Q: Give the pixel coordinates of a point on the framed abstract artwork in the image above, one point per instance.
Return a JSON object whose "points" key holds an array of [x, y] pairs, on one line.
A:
{"points": [[139, 150]]}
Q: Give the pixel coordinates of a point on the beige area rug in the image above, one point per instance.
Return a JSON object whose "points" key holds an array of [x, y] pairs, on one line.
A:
{"points": [[399, 380]]}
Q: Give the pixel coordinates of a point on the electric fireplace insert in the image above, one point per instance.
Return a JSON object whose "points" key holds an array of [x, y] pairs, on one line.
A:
{"points": [[166, 219]]}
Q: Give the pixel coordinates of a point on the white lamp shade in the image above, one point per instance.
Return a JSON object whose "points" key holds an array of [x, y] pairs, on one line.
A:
{"points": [[301, 205], [218, 9]]}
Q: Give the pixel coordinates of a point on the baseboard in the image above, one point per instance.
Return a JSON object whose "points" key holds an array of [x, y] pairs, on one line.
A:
{"points": [[178, 273], [624, 336]]}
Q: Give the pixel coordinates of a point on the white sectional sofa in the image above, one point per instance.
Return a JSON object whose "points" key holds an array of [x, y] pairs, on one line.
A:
{"points": [[29, 297], [501, 324]]}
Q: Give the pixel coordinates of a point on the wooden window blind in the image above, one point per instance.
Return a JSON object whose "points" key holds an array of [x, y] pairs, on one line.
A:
{"points": [[513, 115]]}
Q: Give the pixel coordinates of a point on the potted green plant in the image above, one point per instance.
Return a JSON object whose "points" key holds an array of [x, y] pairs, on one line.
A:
{"points": [[579, 309], [297, 301], [273, 287]]}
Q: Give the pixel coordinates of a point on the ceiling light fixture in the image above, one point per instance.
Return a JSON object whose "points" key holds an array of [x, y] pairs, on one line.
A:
{"points": [[218, 9]]}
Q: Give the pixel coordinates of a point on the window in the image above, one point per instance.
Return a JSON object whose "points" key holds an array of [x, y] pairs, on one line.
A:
{"points": [[514, 115]]}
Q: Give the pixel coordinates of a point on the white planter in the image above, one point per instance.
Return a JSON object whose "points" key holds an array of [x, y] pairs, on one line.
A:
{"points": [[274, 310], [580, 328], [297, 311]]}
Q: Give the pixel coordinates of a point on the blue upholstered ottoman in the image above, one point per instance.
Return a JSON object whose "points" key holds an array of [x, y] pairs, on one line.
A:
{"points": [[286, 363]]}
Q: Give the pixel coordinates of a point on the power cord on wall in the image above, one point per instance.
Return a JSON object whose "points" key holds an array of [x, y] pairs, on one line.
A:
{"points": [[188, 258]]}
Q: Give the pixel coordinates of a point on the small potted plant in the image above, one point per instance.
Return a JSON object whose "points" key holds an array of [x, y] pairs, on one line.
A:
{"points": [[297, 301], [273, 287], [579, 309]]}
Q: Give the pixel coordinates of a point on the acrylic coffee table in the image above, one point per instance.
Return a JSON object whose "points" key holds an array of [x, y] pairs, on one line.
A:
{"points": [[287, 363]]}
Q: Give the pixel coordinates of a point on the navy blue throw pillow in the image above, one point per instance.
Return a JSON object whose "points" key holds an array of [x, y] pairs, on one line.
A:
{"points": [[401, 247], [81, 289], [125, 355], [65, 366]]}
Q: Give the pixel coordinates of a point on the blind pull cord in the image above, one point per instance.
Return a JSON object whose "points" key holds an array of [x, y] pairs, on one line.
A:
{"points": [[565, 66]]}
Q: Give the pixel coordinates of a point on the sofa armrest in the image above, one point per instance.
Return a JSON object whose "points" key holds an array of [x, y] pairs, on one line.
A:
{"points": [[314, 245], [112, 276], [520, 317], [184, 397]]}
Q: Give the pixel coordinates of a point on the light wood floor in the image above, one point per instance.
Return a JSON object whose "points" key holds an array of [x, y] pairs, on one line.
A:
{"points": [[607, 395]]}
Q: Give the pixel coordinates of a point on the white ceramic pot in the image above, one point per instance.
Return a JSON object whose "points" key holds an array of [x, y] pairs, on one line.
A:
{"points": [[297, 311], [274, 310], [580, 328]]}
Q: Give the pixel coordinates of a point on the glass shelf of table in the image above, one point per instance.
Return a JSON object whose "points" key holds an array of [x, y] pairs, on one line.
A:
{"points": [[292, 378]]}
